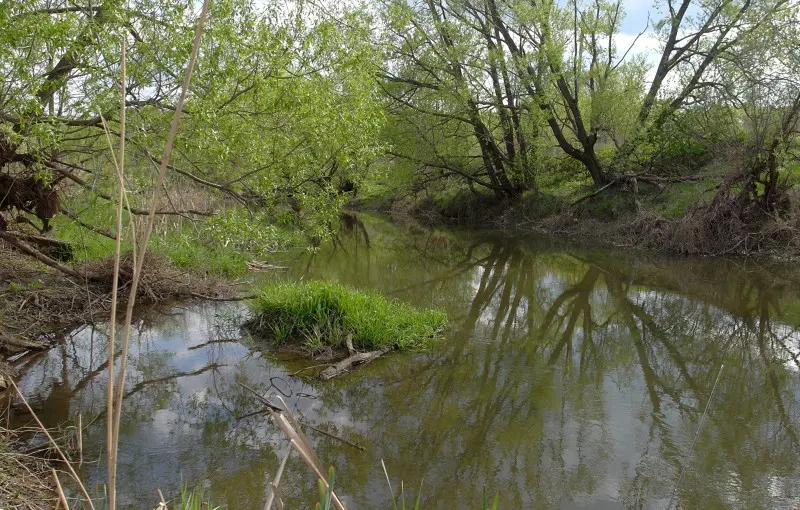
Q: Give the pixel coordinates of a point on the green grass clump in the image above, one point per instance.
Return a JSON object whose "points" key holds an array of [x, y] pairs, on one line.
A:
{"points": [[320, 315]]}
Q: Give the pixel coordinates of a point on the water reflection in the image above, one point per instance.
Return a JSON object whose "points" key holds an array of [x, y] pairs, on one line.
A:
{"points": [[571, 379]]}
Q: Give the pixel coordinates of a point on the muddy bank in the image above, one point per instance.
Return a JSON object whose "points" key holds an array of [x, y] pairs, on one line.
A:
{"points": [[720, 227], [39, 305]]}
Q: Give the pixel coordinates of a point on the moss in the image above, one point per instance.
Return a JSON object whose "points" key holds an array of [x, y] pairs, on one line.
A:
{"points": [[319, 315]]}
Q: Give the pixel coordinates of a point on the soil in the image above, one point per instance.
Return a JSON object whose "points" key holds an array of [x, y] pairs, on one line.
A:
{"points": [[715, 228], [39, 305]]}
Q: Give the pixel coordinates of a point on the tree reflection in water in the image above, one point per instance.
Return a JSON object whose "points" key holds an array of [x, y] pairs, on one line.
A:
{"points": [[571, 378]]}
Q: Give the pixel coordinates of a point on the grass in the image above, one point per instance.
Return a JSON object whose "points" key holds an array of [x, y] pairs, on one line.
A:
{"points": [[191, 499], [320, 315], [186, 251], [206, 248], [25, 480]]}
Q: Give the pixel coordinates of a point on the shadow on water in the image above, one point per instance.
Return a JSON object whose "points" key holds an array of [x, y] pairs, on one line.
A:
{"points": [[571, 379]]}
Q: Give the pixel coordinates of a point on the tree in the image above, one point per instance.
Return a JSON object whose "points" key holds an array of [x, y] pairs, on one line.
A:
{"points": [[451, 88], [566, 70], [283, 107]]}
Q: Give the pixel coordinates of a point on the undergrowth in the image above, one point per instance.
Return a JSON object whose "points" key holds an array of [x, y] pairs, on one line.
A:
{"points": [[320, 315], [207, 249]]}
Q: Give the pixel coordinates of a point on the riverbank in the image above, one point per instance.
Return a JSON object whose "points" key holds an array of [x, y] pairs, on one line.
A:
{"points": [[700, 218], [26, 480], [40, 308]]}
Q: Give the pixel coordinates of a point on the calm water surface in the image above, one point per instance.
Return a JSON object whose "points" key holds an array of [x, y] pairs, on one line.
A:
{"points": [[570, 379]]}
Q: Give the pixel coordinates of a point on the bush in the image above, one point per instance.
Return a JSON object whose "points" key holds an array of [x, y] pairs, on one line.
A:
{"points": [[320, 315]]}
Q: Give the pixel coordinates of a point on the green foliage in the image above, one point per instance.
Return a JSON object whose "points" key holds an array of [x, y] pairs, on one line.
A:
{"points": [[191, 499], [495, 502], [321, 314], [326, 493], [676, 147], [563, 176], [190, 251], [609, 205], [283, 110]]}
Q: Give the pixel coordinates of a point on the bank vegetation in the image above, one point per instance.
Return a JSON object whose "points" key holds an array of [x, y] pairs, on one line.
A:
{"points": [[540, 115]]}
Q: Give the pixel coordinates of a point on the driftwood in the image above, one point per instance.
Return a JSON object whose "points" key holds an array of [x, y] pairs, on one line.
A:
{"points": [[349, 363], [14, 344]]}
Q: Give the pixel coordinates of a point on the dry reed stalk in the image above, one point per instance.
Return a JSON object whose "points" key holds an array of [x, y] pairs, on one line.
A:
{"points": [[119, 385], [55, 446], [62, 498], [110, 452], [80, 440], [273, 494], [286, 421]]}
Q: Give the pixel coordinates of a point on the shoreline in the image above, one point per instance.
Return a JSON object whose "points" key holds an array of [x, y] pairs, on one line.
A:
{"points": [[682, 236]]}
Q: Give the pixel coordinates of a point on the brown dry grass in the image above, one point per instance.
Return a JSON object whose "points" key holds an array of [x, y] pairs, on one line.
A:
{"points": [[26, 482], [38, 305]]}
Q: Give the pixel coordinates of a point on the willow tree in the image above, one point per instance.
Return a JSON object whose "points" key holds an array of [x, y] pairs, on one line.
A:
{"points": [[455, 97], [282, 108], [566, 69]]}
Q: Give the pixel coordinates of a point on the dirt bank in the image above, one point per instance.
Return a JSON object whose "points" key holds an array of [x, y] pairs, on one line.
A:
{"points": [[39, 305], [717, 227]]}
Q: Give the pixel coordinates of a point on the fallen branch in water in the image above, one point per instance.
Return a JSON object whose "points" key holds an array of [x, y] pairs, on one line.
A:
{"points": [[221, 299], [216, 341], [272, 408], [347, 364]]}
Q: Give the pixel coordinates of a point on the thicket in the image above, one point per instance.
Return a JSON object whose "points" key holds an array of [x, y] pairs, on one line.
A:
{"points": [[299, 107]]}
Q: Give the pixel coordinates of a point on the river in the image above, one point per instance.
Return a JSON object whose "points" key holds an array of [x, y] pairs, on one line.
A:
{"points": [[571, 378]]}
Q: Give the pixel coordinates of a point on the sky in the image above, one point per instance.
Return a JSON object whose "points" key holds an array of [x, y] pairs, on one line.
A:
{"points": [[636, 15], [636, 20]]}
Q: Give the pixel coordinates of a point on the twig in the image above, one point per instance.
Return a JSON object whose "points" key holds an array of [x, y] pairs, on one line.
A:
{"points": [[139, 261], [62, 498], [111, 451], [332, 436], [55, 445], [273, 494], [272, 407], [222, 299], [696, 435]]}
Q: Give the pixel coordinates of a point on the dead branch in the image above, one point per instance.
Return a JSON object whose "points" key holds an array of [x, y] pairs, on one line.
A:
{"points": [[351, 362]]}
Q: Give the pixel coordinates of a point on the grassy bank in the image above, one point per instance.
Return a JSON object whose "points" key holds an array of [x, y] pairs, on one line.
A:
{"points": [[702, 215], [221, 245], [321, 315]]}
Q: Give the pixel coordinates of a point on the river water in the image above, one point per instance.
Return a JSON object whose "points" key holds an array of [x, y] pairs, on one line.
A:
{"points": [[570, 378]]}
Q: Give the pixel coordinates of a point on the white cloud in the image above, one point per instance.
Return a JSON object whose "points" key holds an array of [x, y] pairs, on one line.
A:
{"points": [[646, 46]]}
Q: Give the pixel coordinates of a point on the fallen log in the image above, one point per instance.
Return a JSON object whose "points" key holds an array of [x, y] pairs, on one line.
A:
{"points": [[349, 363], [25, 248], [13, 344], [53, 248]]}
